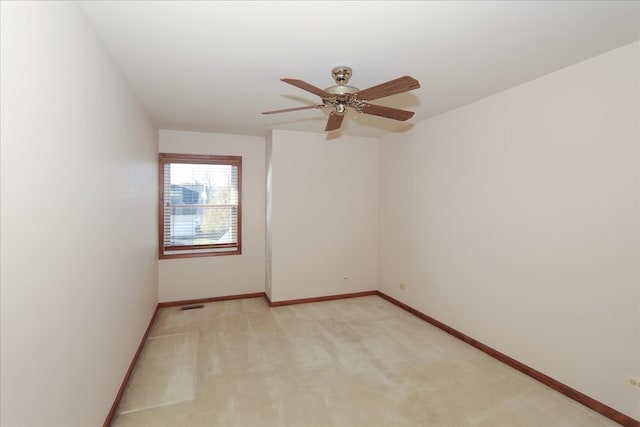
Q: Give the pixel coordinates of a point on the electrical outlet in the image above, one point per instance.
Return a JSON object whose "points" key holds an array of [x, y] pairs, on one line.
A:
{"points": [[633, 382], [402, 286]]}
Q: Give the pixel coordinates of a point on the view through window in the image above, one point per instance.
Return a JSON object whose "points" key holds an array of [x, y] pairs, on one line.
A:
{"points": [[200, 205]]}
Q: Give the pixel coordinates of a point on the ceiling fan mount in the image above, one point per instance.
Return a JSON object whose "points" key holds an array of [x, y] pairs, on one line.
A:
{"points": [[341, 74], [341, 97]]}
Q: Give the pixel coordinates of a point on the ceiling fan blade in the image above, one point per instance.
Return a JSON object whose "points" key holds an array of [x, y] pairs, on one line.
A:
{"points": [[294, 109], [308, 87], [334, 122], [388, 112], [392, 87]]}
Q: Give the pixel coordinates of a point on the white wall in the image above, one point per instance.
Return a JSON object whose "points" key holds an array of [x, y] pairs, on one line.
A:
{"points": [[515, 220], [203, 277], [323, 214], [79, 263]]}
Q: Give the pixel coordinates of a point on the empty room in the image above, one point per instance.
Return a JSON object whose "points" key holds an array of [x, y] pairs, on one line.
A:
{"points": [[320, 213]]}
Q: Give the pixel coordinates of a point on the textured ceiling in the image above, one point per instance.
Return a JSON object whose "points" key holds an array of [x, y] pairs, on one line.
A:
{"points": [[215, 65]]}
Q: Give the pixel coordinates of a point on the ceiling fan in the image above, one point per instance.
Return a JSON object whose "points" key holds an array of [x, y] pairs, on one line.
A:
{"points": [[341, 97]]}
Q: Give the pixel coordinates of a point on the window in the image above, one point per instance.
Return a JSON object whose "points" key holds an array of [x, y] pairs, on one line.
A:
{"points": [[200, 210]]}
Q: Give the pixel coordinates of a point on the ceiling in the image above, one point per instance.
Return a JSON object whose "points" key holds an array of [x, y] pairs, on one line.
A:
{"points": [[215, 65]]}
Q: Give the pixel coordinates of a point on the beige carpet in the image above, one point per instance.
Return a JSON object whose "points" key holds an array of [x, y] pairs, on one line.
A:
{"points": [[354, 362]]}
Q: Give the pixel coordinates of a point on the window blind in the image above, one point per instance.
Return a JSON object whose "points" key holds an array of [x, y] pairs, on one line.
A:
{"points": [[200, 211]]}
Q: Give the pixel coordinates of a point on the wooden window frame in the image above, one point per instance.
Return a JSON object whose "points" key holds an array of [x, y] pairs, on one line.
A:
{"points": [[205, 250]]}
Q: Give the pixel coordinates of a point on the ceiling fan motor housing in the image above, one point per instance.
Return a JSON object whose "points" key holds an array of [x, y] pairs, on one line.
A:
{"points": [[342, 90]]}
